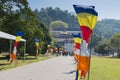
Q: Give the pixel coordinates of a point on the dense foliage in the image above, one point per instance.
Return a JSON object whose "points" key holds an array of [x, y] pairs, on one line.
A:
{"points": [[49, 14], [58, 24], [16, 15], [107, 27]]}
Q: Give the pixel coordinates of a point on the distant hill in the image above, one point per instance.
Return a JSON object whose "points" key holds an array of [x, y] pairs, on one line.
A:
{"points": [[47, 15], [107, 27], [104, 28]]}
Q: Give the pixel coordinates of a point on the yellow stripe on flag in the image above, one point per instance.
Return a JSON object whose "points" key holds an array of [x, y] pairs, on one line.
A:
{"points": [[79, 74], [18, 38], [77, 40], [48, 46], [37, 44], [86, 19]]}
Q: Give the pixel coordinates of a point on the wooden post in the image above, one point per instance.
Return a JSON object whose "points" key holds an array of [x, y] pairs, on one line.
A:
{"points": [[90, 57], [24, 51]]}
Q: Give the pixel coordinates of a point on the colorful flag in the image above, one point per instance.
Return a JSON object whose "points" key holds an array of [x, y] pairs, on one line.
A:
{"points": [[77, 42], [13, 54], [37, 46], [36, 42], [87, 17], [50, 47]]}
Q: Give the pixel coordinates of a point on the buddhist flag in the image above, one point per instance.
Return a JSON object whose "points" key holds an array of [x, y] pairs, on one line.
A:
{"points": [[87, 17], [77, 42], [49, 44], [13, 54], [36, 42], [37, 46]]}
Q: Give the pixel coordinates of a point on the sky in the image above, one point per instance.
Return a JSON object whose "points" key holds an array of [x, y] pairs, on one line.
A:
{"points": [[109, 9]]}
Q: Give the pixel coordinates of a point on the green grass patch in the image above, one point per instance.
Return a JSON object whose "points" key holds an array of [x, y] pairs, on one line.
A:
{"points": [[4, 64], [105, 68]]}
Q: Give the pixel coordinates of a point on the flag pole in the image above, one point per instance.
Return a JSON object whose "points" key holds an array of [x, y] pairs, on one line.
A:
{"points": [[90, 57]]}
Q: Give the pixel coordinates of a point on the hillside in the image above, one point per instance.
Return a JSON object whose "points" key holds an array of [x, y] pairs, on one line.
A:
{"points": [[104, 28], [107, 27]]}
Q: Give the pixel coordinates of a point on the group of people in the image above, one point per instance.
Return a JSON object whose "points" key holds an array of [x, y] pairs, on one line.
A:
{"points": [[57, 51]]}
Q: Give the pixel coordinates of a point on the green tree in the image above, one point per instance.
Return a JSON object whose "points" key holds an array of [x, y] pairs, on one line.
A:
{"points": [[43, 16], [58, 24], [100, 48], [23, 19], [94, 40], [47, 15], [114, 42], [10, 17], [107, 27]]}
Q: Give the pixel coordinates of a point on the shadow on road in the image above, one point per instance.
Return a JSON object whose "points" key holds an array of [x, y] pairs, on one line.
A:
{"points": [[71, 72]]}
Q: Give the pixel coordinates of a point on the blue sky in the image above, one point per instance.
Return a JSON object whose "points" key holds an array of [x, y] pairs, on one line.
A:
{"points": [[105, 8]]}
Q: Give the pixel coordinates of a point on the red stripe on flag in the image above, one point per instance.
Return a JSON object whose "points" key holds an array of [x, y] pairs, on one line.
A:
{"points": [[16, 44], [77, 45], [37, 47], [86, 33]]}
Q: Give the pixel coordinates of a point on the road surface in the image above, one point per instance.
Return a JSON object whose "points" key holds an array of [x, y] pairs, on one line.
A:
{"points": [[58, 68]]}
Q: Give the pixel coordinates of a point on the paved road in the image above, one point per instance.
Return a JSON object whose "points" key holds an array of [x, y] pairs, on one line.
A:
{"points": [[59, 68]]}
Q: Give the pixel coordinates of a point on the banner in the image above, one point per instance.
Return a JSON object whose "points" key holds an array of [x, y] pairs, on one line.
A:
{"points": [[87, 17], [37, 46], [77, 41], [13, 54]]}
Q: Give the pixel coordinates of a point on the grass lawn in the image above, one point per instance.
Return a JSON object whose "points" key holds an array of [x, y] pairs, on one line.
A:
{"points": [[105, 68], [29, 59]]}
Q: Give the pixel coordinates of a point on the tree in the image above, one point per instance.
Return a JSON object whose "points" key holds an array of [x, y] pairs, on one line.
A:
{"points": [[47, 15], [10, 20], [94, 40], [107, 27], [114, 42], [43, 16], [22, 19], [100, 48], [58, 24]]}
